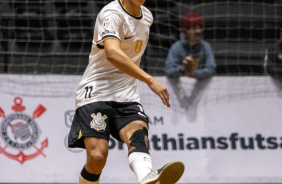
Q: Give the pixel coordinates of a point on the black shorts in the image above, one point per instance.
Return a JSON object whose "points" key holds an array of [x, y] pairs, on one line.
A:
{"points": [[102, 119]]}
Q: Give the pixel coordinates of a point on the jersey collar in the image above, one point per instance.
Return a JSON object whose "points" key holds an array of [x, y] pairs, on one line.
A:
{"points": [[136, 17]]}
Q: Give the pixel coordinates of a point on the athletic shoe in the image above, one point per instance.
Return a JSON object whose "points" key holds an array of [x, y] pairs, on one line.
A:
{"points": [[168, 174]]}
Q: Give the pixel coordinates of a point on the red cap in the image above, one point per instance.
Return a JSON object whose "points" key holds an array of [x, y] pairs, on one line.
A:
{"points": [[191, 19]]}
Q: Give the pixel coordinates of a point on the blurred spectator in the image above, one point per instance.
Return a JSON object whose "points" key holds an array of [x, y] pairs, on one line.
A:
{"points": [[191, 56], [273, 59]]}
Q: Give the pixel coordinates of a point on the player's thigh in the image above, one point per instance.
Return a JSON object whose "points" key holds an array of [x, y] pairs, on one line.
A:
{"points": [[96, 148]]}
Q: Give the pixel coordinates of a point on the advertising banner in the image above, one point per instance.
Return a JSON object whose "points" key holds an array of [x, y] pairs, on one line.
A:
{"points": [[224, 129]]}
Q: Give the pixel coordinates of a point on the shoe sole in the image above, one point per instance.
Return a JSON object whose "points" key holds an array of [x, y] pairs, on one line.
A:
{"points": [[170, 174]]}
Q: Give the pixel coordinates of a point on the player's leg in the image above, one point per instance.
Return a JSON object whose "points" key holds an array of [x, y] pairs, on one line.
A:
{"points": [[135, 136], [97, 152], [90, 130], [131, 124]]}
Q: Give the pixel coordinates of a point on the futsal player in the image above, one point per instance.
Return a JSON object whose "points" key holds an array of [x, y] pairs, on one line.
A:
{"points": [[107, 100]]}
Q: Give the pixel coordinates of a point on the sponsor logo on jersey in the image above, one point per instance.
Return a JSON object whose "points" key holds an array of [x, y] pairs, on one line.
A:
{"points": [[108, 32], [126, 38], [98, 123], [107, 23], [20, 133]]}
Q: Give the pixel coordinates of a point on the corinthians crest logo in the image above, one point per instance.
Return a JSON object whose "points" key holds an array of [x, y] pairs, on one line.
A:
{"points": [[20, 133], [98, 121]]}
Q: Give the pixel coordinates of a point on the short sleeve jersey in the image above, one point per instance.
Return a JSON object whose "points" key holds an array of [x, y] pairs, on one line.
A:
{"points": [[101, 80]]}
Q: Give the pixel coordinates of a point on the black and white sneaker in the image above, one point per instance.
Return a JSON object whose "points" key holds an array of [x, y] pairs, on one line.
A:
{"points": [[168, 174]]}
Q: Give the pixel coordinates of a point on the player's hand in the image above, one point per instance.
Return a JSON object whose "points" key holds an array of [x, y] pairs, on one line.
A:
{"points": [[161, 91]]}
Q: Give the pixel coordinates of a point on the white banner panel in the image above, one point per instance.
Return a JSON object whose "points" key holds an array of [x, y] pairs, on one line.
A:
{"points": [[224, 129]]}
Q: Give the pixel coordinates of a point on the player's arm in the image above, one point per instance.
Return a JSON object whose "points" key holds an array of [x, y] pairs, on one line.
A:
{"points": [[121, 61]]}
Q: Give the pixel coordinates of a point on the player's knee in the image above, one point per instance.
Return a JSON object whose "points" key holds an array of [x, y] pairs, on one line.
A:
{"points": [[139, 141], [97, 156]]}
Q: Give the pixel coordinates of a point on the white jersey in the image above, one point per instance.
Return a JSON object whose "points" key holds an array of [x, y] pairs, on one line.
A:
{"points": [[101, 80]]}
